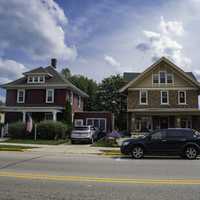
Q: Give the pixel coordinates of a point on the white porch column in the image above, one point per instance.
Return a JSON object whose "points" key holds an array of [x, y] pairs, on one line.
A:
{"points": [[24, 117], [54, 116]]}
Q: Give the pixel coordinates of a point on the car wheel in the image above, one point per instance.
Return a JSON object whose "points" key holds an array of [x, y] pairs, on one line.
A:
{"points": [[137, 152], [190, 152]]}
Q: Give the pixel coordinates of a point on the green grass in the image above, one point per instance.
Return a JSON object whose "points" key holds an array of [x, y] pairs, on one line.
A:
{"points": [[13, 148], [105, 142], [111, 152], [30, 141]]}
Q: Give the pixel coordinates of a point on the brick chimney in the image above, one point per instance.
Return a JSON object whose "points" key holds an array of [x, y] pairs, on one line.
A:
{"points": [[53, 62]]}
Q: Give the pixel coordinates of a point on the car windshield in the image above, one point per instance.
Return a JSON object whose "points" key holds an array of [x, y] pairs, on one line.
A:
{"points": [[81, 128]]}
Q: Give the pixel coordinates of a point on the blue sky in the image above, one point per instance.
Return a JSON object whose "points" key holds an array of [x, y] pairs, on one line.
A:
{"points": [[97, 38]]}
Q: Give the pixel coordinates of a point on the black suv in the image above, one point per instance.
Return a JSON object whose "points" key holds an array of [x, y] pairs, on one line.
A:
{"points": [[175, 141]]}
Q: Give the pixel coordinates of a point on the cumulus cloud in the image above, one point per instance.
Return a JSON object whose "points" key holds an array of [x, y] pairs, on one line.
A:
{"points": [[111, 61], [10, 70], [165, 42], [34, 27]]}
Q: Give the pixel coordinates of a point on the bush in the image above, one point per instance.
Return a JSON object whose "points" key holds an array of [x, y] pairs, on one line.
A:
{"points": [[51, 130], [17, 130], [106, 142]]}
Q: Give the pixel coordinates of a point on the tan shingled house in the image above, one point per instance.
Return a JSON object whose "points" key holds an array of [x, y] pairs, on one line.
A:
{"points": [[163, 96]]}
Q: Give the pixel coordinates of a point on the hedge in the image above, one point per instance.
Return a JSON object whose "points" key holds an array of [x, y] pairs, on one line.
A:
{"points": [[48, 130], [17, 130], [51, 130]]}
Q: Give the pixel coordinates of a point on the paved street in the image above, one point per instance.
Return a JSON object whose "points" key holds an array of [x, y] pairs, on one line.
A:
{"points": [[44, 175]]}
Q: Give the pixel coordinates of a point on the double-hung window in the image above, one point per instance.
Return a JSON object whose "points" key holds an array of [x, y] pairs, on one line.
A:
{"points": [[155, 78], [143, 97], [164, 97], [50, 96], [20, 96], [162, 77], [79, 101], [169, 78], [181, 97]]}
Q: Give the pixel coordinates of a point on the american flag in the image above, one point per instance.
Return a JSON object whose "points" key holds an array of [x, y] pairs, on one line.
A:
{"points": [[29, 123]]}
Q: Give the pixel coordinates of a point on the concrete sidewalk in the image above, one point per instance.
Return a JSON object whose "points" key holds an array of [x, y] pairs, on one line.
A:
{"points": [[65, 148]]}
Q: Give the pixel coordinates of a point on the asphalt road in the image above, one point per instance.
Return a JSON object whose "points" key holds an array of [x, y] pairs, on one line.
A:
{"points": [[59, 176]]}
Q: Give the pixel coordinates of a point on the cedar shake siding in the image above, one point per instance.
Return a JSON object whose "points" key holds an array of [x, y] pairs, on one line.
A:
{"points": [[154, 99]]}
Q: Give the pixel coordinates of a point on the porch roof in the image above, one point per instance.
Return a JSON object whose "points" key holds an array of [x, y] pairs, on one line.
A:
{"points": [[165, 111], [31, 109]]}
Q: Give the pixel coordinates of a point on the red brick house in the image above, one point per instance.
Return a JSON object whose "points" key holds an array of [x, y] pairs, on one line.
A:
{"points": [[43, 93]]}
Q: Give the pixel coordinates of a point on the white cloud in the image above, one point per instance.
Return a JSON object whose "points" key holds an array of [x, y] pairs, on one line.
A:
{"points": [[10, 70], [171, 27], [165, 43], [111, 61], [34, 27]]}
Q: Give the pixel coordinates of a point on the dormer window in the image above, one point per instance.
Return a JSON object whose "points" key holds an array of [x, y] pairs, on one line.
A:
{"points": [[36, 79], [169, 78], [162, 78], [155, 78]]}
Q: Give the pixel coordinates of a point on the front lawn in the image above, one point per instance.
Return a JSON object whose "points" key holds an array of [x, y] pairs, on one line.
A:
{"points": [[13, 148], [30, 141], [106, 142]]}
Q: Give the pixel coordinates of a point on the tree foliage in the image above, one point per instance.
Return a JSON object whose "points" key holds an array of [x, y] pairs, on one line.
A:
{"points": [[67, 115], [104, 96], [66, 73], [108, 98]]}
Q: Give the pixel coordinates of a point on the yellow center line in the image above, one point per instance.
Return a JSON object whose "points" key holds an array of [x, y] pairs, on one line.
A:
{"points": [[99, 179]]}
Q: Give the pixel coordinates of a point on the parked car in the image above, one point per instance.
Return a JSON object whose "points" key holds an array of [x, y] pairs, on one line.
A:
{"points": [[176, 141], [84, 133]]}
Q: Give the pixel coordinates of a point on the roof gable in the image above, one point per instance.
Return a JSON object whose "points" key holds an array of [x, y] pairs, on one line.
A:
{"points": [[186, 76], [55, 79]]}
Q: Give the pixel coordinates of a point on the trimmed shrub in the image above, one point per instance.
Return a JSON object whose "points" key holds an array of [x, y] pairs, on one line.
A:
{"points": [[51, 130], [17, 130]]}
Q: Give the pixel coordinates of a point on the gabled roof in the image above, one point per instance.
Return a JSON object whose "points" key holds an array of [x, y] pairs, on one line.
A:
{"points": [[129, 76], [39, 70], [189, 76], [56, 79]]}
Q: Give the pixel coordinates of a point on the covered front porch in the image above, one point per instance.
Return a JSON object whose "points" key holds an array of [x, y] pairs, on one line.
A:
{"points": [[148, 120], [13, 114]]}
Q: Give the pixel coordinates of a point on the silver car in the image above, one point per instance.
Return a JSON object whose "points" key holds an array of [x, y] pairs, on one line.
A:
{"points": [[84, 133]]}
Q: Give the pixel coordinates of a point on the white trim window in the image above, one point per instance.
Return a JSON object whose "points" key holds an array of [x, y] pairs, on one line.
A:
{"points": [[78, 122], [20, 96], [164, 97], [162, 77], [143, 97], [36, 79], [30, 79], [71, 98], [170, 78], [79, 101], [155, 78], [100, 123], [181, 97], [50, 96]]}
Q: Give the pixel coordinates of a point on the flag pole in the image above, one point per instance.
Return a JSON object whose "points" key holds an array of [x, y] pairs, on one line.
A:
{"points": [[35, 132]]}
